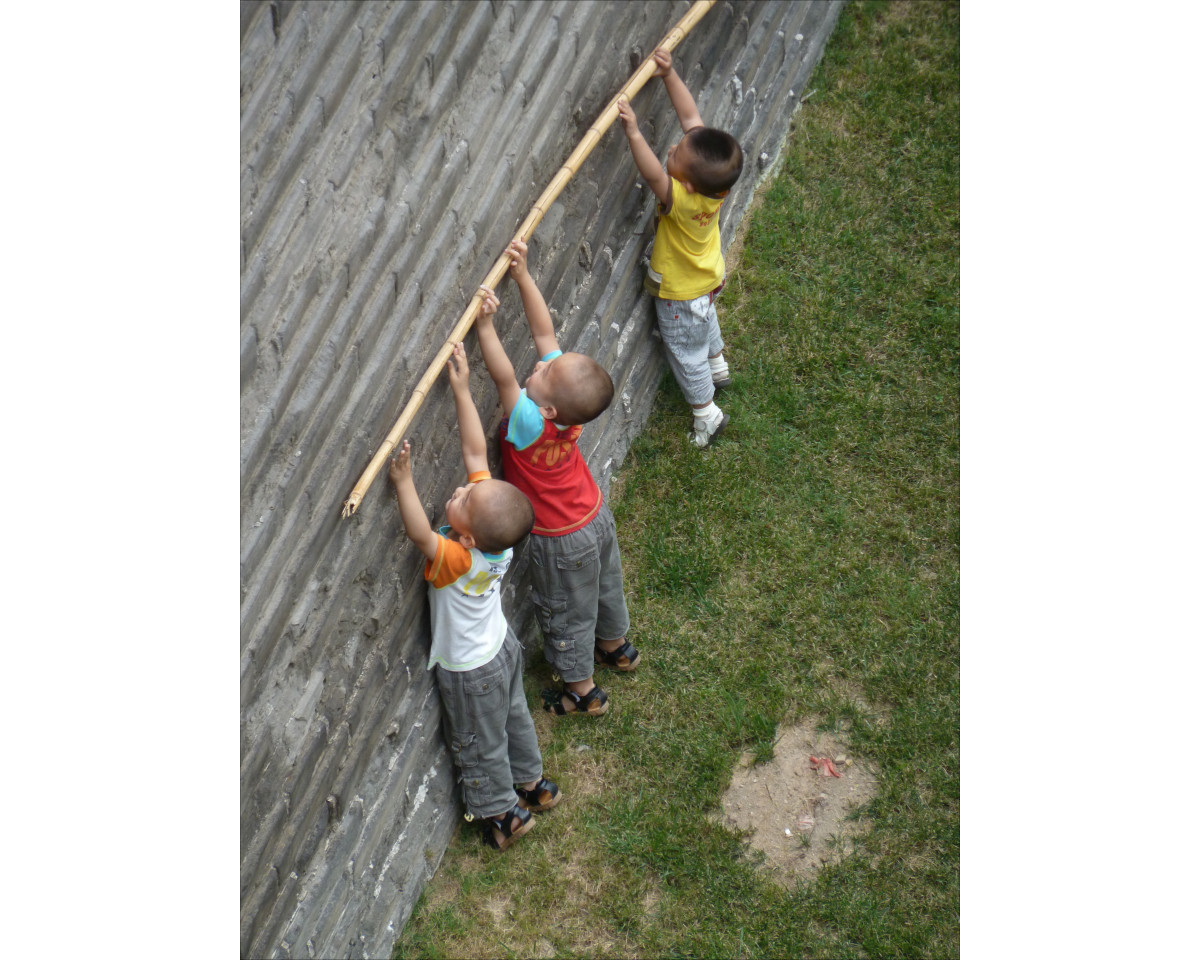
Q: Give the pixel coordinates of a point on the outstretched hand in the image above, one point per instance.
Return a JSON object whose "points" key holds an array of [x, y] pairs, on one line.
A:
{"points": [[401, 465], [489, 305], [629, 120], [456, 367], [518, 250]]}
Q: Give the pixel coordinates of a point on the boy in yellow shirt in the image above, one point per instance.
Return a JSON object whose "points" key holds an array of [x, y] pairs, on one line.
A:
{"points": [[687, 269]]}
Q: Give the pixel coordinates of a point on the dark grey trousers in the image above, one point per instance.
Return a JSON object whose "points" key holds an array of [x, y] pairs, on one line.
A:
{"points": [[492, 739], [578, 594]]}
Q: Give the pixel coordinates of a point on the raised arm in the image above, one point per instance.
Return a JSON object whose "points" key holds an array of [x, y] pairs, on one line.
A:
{"points": [[541, 326], [681, 98], [643, 157], [416, 523], [499, 367], [470, 427]]}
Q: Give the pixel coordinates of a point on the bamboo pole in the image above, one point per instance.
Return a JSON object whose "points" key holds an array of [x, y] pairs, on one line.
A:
{"points": [[549, 195]]}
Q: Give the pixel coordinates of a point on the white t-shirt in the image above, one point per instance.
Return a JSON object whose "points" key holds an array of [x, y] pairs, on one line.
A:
{"points": [[467, 621]]}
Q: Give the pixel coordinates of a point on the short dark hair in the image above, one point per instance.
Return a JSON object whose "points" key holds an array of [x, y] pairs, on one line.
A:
{"points": [[589, 394], [718, 160], [505, 520]]}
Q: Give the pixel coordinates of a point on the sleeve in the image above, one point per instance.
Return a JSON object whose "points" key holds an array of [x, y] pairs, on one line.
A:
{"points": [[525, 423], [679, 198], [450, 563]]}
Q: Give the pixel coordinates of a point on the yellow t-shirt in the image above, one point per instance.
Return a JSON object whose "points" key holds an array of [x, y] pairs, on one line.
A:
{"points": [[687, 262]]}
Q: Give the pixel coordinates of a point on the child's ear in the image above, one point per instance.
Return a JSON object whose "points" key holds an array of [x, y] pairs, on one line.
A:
{"points": [[549, 412], [467, 540], [688, 186]]}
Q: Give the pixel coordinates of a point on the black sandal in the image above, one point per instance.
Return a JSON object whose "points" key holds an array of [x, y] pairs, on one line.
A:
{"points": [[593, 703], [543, 796], [503, 832], [625, 658]]}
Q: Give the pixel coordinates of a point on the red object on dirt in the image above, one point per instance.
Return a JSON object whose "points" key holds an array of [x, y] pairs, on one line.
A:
{"points": [[825, 765]]}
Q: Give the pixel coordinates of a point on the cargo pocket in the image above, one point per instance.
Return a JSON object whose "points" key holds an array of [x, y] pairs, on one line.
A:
{"points": [[550, 613], [560, 654], [577, 573], [486, 699], [556, 643], [464, 748], [476, 790], [482, 686], [579, 560]]}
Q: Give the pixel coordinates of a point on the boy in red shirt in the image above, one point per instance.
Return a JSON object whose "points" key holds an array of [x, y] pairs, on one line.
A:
{"points": [[578, 590]]}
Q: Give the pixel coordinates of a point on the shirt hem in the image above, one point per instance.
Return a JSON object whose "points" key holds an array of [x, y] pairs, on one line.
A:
{"points": [[573, 526]]}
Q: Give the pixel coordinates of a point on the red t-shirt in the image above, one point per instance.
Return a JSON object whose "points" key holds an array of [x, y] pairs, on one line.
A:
{"points": [[552, 473]]}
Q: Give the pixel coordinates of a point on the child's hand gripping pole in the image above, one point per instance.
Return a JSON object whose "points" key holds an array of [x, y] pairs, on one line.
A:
{"points": [[422, 388]]}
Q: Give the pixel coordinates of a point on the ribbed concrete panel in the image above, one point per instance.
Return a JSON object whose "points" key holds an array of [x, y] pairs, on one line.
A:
{"points": [[389, 151]]}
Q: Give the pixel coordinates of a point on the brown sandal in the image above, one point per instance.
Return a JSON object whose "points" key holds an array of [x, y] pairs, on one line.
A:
{"points": [[593, 703], [543, 796], [625, 658], [503, 832]]}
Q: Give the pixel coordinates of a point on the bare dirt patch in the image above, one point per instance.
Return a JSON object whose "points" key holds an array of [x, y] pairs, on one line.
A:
{"points": [[796, 815]]}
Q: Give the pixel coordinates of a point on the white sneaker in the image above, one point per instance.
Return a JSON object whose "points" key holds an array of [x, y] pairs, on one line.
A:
{"points": [[720, 372], [706, 429]]}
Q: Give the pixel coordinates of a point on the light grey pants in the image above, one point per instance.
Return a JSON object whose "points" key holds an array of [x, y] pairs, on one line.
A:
{"points": [[492, 739], [578, 594], [691, 334]]}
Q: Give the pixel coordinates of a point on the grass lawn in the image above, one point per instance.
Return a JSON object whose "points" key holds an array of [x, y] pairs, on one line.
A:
{"points": [[807, 566]]}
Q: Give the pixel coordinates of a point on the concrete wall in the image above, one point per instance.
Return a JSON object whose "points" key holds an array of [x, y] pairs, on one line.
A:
{"points": [[388, 153]]}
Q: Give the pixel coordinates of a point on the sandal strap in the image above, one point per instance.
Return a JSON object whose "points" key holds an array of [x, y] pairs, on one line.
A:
{"points": [[612, 658], [506, 824], [542, 784], [496, 838], [552, 699], [626, 650], [534, 796], [588, 698]]}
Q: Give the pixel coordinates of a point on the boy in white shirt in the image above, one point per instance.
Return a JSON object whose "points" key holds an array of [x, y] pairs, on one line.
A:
{"points": [[476, 657]]}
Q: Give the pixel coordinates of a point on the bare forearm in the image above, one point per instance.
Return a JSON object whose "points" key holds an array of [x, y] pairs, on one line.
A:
{"points": [[536, 311], [682, 101], [649, 166], [494, 358], [499, 367], [416, 523], [470, 431], [541, 325]]}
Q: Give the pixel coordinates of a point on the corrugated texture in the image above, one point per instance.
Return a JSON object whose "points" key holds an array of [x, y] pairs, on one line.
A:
{"points": [[389, 151]]}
